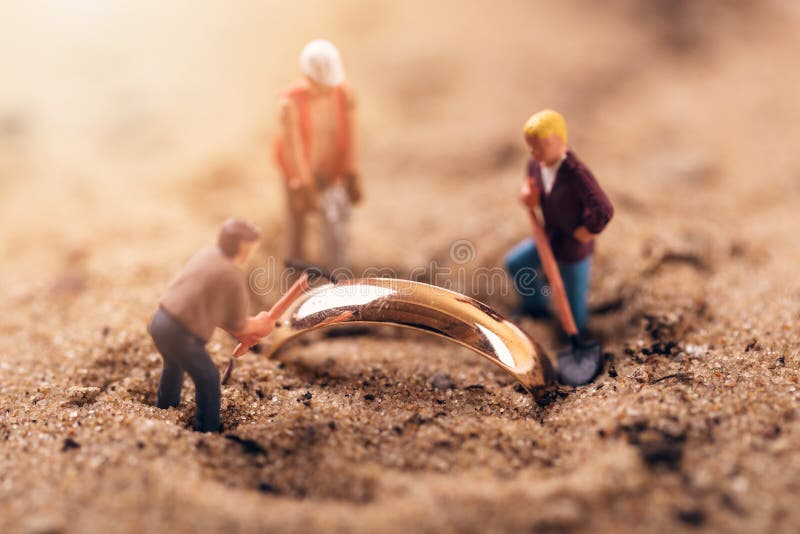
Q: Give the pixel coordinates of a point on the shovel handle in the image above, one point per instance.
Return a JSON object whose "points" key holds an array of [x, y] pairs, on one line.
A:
{"points": [[553, 275], [300, 285]]}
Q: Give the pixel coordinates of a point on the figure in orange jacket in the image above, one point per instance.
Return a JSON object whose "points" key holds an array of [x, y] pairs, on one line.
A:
{"points": [[316, 152]]}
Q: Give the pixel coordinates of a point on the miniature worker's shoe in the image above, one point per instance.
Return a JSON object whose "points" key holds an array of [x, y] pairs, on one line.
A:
{"points": [[580, 364], [198, 427]]}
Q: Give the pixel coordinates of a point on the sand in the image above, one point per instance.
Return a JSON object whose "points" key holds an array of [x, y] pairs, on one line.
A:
{"points": [[128, 133]]}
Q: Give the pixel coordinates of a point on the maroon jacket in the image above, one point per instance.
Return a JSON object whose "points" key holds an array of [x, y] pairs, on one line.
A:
{"points": [[575, 200]]}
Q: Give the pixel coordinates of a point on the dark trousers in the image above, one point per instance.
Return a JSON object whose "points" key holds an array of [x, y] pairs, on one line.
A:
{"points": [[184, 352]]}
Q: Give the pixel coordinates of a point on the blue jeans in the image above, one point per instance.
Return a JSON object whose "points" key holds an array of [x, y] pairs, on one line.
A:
{"points": [[525, 267]]}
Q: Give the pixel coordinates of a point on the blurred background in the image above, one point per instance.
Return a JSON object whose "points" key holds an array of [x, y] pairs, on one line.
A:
{"points": [[142, 124]]}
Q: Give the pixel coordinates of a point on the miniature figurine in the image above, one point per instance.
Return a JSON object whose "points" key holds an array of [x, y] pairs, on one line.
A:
{"points": [[209, 292], [316, 152], [568, 209]]}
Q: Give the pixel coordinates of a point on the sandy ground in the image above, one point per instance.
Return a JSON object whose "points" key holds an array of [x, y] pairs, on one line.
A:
{"points": [[128, 133]]}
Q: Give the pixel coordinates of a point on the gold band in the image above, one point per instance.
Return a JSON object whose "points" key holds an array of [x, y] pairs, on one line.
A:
{"points": [[424, 307]]}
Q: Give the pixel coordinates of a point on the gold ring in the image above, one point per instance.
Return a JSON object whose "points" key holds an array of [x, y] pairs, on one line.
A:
{"points": [[423, 307]]}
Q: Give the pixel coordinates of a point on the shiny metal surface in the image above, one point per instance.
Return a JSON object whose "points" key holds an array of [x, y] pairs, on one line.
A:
{"points": [[419, 306]]}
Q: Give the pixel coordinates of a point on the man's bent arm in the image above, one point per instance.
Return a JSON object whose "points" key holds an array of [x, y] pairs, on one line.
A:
{"points": [[290, 122], [351, 164]]}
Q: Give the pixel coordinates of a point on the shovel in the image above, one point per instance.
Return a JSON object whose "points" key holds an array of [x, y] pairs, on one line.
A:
{"points": [[310, 273], [582, 362]]}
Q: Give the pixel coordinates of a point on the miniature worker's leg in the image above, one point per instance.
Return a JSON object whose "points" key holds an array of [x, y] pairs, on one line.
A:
{"points": [[525, 267], [205, 375], [576, 283], [335, 207], [166, 334], [169, 387], [295, 231]]}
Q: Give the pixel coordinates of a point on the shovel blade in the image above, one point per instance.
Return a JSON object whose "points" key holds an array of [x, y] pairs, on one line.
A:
{"points": [[580, 364]]}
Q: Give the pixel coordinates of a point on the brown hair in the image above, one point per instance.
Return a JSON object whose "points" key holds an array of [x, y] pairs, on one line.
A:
{"points": [[234, 231]]}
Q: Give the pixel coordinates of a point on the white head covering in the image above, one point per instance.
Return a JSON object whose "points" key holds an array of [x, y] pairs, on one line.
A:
{"points": [[320, 61]]}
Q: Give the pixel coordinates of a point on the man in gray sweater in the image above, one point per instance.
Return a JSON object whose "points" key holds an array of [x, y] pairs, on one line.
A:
{"points": [[209, 292]]}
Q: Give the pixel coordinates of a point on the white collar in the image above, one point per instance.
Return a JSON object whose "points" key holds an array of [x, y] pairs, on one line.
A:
{"points": [[549, 174], [555, 166]]}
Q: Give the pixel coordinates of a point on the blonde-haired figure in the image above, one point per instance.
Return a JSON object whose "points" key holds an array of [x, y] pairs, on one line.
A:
{"points": [[575, 210], [316, 152]]}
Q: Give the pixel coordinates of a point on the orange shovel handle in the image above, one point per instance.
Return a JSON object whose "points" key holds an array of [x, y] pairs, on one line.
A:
{"points": [[280, 307], [553, 275]]}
